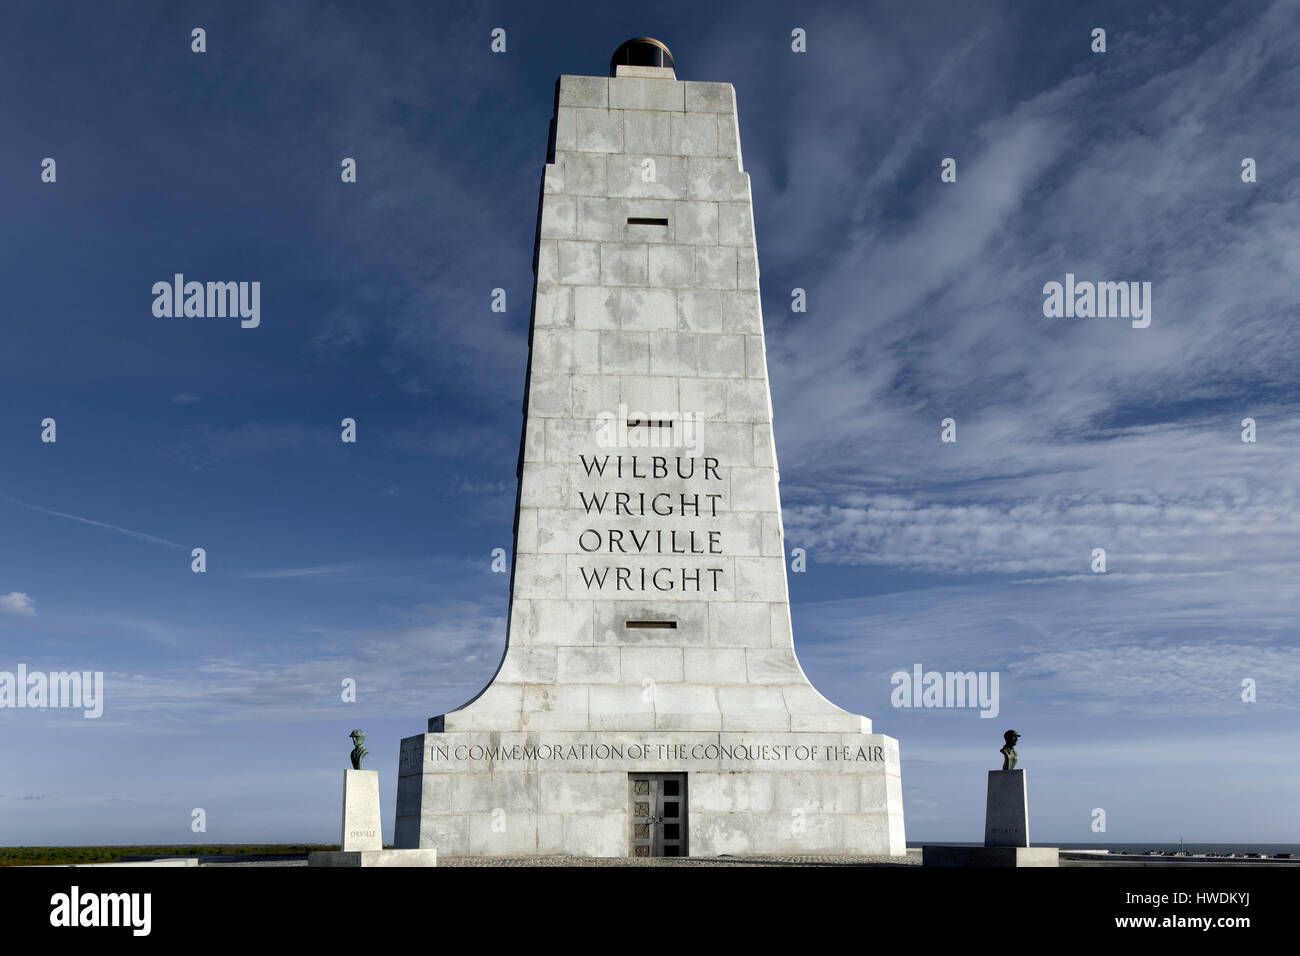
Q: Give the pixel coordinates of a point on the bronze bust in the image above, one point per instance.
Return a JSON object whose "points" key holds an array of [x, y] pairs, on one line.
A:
{"points": [[359, 751], [1008, 750]]}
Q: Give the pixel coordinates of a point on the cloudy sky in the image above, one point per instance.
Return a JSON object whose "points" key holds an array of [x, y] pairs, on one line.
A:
{"points": [[925, 302]]}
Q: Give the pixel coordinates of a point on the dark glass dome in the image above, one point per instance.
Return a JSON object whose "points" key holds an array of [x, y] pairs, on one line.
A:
{"points": [[641, 51]]}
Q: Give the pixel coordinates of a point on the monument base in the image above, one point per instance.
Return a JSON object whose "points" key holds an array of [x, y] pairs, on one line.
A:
{"points": [[427, 857], [990, 856], [593, 794]]}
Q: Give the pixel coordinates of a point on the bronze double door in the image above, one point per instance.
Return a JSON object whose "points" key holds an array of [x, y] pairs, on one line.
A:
{"points": [[657, 811]]}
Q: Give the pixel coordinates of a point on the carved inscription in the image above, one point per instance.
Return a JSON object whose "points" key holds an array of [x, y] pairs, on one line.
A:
{"points": [[626, 524], [756, 752]]}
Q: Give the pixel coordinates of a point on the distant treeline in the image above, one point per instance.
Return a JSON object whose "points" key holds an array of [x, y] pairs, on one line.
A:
{"points": [[37, 855]]}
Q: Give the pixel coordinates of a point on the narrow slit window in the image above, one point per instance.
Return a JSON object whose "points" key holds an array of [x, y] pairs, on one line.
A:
{"points": [[666, 624], [649, 423], [645, 221]]}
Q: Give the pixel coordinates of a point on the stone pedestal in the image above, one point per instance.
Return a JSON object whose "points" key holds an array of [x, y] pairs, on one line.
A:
{"points": [[361, 825], [1006, 814], [1006, 831], [362, 842]]}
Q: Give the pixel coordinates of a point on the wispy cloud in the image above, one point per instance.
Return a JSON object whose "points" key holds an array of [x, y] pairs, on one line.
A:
{"points": [[139, 535], [437, 657], [319, 571], [215, 444], [1123, 646]]}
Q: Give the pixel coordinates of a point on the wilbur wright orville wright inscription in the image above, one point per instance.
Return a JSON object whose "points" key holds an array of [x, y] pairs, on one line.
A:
{"points": [[649, 701]]}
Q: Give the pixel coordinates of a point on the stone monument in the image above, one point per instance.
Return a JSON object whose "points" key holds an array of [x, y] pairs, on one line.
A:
{"points": [[649, 701], [362, 842], [1006, 823]]}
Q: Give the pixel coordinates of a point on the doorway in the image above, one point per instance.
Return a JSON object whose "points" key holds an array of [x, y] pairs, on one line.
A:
{"points": [[657, 812]]}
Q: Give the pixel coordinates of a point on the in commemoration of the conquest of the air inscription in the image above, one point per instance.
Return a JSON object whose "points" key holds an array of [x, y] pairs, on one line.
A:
{"points": [[650, 751]]}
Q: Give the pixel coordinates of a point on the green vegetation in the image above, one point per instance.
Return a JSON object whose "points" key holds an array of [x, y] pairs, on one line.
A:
{"points": [[38, 855]]}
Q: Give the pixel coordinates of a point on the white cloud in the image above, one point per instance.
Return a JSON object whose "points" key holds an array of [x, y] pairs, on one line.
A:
{"points": [[16, 602]]}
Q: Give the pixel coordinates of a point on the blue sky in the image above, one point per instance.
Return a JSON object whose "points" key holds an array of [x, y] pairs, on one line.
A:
{"points": [[372, 561]]}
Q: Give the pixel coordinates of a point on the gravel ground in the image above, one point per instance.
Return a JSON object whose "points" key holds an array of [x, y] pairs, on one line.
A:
{"points": [[913, 858]]}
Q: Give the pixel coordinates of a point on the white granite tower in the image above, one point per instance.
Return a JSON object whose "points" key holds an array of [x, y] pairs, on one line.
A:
{"points": [[649, 700]]}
